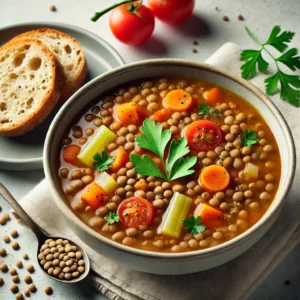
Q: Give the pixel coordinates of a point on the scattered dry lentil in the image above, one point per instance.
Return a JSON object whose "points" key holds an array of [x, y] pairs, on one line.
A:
{"points": [[2, 252], [14, 288], [32, 288], [15, 245], [6, 239], [28, 279], [3, 268], [48, 290], [25, 256], [14, 233], [15, 279], [19, 264]]}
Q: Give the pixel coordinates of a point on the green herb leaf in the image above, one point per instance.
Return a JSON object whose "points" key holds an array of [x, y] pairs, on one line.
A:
{"points": [[271, 84], [287, 92], [146, 166], [289, 84], [217, 115], [279, 40], [177, 150], [252, 58], [193, 225], [290, 59], [205, 109], [154, 139], [182, 167], [249, 138], [102, 163], [112, 218]]}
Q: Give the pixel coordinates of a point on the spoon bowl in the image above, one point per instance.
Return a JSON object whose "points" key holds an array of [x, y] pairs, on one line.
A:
{"points": [[42, 236]]}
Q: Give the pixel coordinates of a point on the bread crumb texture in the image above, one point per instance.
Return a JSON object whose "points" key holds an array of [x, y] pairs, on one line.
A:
{"points": [[27, 85]]}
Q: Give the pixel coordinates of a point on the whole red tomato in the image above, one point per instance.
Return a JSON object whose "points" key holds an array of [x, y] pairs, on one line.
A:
{"points": [[132, 24], [172, 11]]}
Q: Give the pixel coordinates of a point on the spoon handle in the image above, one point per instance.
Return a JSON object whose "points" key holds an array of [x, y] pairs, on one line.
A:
{"points": [[21, 213]]}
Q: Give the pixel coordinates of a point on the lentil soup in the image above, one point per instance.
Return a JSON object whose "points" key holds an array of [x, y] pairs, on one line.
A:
{"points": [[170, 165]]}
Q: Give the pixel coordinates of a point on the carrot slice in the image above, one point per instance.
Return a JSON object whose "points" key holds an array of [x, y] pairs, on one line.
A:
{"points": [[214, 178], [162, 115], [70, 153], [141, 185], [93, 195], [213, 96], [210, 216], [130, 113], [178, 100], [121, 157]]}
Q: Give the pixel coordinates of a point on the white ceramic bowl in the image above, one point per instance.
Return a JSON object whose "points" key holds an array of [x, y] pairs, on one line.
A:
{"points": [[169, 263]]}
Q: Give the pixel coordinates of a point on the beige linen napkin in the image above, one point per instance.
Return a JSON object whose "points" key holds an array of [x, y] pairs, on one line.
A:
{"points": [[234, 280]]}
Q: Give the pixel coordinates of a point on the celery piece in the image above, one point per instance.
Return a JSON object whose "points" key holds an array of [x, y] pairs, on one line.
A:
{"points": [[98, 142], [177, 211], [106, 181]]}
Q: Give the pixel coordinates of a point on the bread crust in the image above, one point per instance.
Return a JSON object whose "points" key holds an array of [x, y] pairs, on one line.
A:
{"points": [[49, 100], [67, 88]]}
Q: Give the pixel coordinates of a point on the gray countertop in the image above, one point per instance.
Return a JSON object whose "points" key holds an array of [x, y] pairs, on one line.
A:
{"points": [[211, 32]]}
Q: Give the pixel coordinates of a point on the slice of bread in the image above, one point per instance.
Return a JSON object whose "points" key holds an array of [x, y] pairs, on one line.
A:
{"points": [[69, 54], [28, 86]]}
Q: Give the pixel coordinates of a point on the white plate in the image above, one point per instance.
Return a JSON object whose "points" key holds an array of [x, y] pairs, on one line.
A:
{"points": [[25, 152]]}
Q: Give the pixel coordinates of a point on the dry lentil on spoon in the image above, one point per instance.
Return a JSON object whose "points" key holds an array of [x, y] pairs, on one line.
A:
{"points": [[65, 265], [222, 130]]}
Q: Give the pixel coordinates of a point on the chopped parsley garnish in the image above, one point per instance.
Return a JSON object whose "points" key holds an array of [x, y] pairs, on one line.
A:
{"points": [[253, 59], [205, 109], [155, 140], [102, 163], [112, 218], [193, 225], [249, 138]]}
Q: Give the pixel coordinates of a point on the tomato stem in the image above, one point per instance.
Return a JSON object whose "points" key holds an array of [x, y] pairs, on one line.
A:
{"points": [[132, 9]]}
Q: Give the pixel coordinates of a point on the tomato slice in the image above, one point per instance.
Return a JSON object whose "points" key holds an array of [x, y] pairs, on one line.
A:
{"points": [[135, 211], [203, 135]]}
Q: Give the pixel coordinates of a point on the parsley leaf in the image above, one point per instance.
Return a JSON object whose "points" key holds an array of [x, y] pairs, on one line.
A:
{"points": [[205, 109], [249, 138], [279, 40], [289, 84], [182, 167], [290, 59], [193, 225], [102, 163], [146, 166], [252, 58], [112, 218], [155, 140]]}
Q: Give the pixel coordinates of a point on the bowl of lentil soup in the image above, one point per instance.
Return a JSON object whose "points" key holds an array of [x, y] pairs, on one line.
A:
{"points": [[169, 166]]}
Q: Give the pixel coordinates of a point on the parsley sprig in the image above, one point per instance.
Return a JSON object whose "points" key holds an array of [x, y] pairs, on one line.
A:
{"points": [[249, 138], [155, 140], [102, 163], [253, 59], [112, 218], [205, 109], [193, 225]]}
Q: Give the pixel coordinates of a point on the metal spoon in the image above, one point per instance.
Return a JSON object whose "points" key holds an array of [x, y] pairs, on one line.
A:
{"points": [[42, 237]]}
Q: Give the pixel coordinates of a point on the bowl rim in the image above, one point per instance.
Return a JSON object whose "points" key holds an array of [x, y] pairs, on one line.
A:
{"points": [[240, 239]]}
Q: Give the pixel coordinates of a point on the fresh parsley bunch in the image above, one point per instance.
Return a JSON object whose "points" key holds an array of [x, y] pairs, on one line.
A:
{"points": [[289, 84]]}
